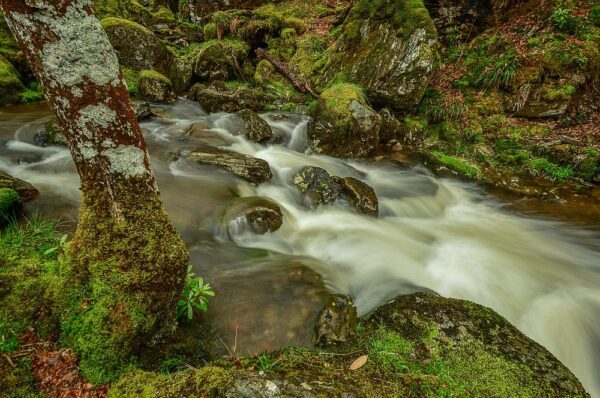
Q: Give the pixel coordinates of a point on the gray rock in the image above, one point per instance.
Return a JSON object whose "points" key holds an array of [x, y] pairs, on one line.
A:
{"points": [[246, 167], [143, 111], [49, 134], [337, 321], [254, 127]]}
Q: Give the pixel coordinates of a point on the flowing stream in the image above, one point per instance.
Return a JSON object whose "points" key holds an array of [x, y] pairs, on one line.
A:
{"points": [[431, 234]]}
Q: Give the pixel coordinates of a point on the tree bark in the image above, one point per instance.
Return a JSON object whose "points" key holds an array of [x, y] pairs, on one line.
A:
{"points": [[126, 264]]}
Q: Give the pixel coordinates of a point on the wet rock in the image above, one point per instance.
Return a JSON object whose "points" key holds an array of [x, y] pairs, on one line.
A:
{"points": [[390, 127], [155, 87], [321, 188], [461, 323], [317, 185], [343, 124], [10, 84], [219, 97], [49, 134], [458, 20], [361, 196], [219, 60], [143, 111], [391, 58], [200, 132], [254, 214], [25, 190], [250, 169], [337, 321], [255, 128], [10, 205], [136, 46]]}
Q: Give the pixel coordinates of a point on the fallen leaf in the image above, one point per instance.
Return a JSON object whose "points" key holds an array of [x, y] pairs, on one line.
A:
{"points": [[359, 362]]}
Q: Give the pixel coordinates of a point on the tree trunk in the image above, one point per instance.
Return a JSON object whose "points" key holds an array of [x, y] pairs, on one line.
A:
{"points": [[126, 263]]}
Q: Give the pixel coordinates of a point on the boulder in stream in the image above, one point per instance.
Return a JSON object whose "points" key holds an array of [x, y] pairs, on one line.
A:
{"points": [[255, 128], [49, 134], [251, 169], [321, 188], [25, 190], [343, 124], [254, 214], [337, 321], [143, 111]]}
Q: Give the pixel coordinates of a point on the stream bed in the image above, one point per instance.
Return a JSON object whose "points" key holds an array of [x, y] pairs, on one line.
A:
{"points": [[431, 234]]}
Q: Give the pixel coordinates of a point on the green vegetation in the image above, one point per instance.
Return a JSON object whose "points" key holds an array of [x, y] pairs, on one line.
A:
{"points": [[8, 200], [194, 296], [461, 166], [32, 93], [112, 22], [131, 78]]}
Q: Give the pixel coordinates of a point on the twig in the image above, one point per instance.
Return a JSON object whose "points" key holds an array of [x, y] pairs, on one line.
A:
{"points": [[296, 80]]}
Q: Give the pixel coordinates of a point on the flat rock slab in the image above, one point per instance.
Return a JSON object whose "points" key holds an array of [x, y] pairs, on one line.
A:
{"points": [[246, 167]]}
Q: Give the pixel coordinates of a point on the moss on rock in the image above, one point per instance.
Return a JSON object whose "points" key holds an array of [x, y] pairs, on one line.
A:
{"points": [[343, 124], [10, 84]]}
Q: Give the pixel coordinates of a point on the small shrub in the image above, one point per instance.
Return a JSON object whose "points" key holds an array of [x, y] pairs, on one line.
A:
{"points": [[563, 20], [194, 296], [594, 15]]}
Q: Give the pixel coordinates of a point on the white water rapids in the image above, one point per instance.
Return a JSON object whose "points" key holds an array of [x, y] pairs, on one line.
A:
{"points": [[438, 234]]}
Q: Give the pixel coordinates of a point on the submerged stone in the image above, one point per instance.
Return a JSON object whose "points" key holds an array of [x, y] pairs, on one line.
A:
{"points": [[251, 169], [253, 214]]}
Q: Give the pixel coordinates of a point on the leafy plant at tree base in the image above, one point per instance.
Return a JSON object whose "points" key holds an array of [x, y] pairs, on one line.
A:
{"points": [[194, 296]]}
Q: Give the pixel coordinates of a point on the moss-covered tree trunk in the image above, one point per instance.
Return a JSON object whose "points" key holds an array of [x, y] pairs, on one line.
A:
{"points": [[126, 262]]}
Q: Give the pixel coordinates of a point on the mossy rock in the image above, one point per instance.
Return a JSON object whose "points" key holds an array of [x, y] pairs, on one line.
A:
{"points": [[136, 46], [25, 190], [223, 97], [343, 124], [219, 60], [10, 84], [388, 48], [155, 87]]}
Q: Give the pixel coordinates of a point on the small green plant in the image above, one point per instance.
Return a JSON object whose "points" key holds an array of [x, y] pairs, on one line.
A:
{"points": [[267, 363], [194, 296], [543, 167], [8, 341], [563, 20], [61, 248], [33, 93], [594, 15]]}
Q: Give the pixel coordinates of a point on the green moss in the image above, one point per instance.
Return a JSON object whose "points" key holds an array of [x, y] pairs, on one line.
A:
{"points": [[210, 31], [8, 45], [10, 84], [17, 381], [296, 24], [124, 279], [206, 382], [543, 167], [390, 350], [149, 74], [459, 165], [594, 15], [112, 22], [8, 198], [337, 98], [164, 15], [131, 78], [491, 61], [309, 51], [561, 93], [405, 15]]}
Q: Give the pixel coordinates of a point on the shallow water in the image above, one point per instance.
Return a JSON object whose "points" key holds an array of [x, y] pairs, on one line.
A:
{"points": [[436, 234]]}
